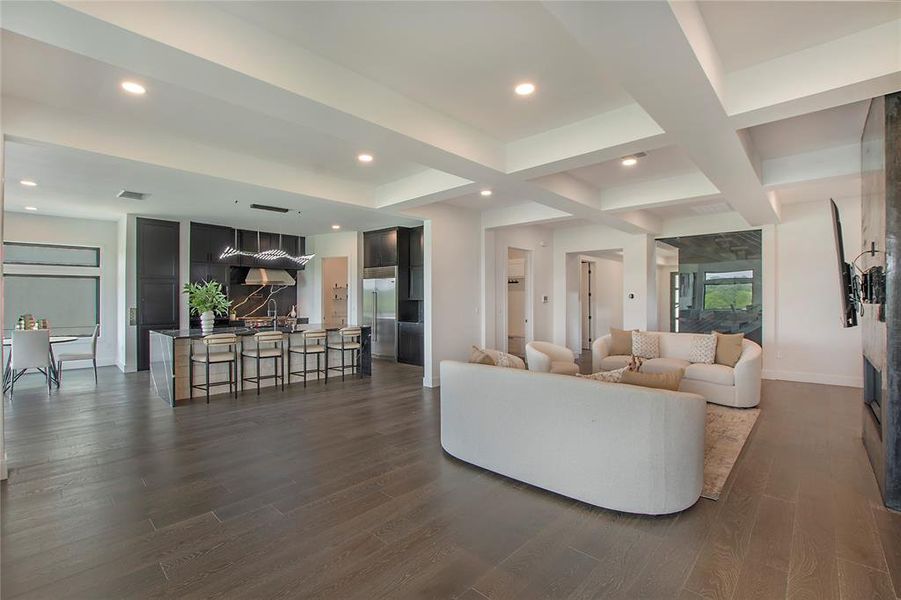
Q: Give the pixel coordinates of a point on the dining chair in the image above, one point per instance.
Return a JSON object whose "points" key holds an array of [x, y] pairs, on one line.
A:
{"points": [[70, 356], [30, 350]]}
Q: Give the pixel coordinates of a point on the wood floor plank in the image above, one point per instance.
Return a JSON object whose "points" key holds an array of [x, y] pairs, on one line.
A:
{"points": [[344, 491]]}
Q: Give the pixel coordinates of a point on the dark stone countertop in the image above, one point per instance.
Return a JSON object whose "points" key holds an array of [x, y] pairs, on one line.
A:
{"points": [[241, 331]]}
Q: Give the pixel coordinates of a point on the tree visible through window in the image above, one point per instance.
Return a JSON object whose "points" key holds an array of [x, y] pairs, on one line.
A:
{"points": [[728, 290]]}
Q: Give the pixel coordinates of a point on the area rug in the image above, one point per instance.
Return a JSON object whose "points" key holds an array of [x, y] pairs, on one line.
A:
{"points": [[726, 433]]}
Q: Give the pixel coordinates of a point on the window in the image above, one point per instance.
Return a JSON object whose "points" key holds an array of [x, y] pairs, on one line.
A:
{"points": [[18, 253], [728, 290], [54, 282]]}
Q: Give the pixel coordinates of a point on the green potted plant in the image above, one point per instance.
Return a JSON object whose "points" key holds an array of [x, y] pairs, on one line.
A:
{"points": [[207, 300]]}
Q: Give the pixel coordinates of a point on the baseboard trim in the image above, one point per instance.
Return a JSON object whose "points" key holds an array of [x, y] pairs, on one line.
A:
{"points": [[4, 473], [431, 382], [804, 377]]}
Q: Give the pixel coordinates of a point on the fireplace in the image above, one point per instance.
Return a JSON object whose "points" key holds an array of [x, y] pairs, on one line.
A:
{"points": [[872, 389]]}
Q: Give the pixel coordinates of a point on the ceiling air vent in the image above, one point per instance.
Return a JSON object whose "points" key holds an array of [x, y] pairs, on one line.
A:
{"points": [[129, 195], [277, 209]]}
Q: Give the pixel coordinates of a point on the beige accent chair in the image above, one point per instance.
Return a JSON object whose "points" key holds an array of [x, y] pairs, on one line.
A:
{"points": [[737, 386], [546, 357]]}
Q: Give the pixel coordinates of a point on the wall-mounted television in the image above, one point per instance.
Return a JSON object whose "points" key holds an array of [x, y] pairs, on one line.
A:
{"points": [[847, 292]]}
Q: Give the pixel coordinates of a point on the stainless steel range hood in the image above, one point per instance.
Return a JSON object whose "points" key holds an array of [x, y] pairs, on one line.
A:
{"points": [[268, 277]]}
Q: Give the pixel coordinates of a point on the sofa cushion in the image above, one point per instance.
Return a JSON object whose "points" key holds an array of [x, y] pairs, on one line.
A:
{"points": [[564, 367], [719, 374], [728, 348], [660, 381], [609, 363], [663, 365], [645, 344], [620, 341]]}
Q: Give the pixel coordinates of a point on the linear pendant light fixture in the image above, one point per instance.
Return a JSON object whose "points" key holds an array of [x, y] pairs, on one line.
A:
{"points": [[267, 255]]}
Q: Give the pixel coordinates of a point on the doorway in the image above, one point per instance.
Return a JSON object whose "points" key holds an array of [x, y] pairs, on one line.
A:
{"points": [[334, 290], [586, 299], [519, 300]]}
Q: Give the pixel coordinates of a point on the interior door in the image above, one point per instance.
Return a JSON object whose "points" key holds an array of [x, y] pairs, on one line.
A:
{"points": [[157, 281]]}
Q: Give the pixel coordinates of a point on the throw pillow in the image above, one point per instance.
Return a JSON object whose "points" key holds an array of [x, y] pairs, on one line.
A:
{"points": [[635, 363], [620, 342], [728, 348], [509, 361], [613, 376], [703, 349], [645, 344], [480, 357], [661, 381]]}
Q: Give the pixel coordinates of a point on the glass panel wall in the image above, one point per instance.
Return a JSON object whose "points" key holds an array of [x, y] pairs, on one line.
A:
{"points": [[718, 285]]}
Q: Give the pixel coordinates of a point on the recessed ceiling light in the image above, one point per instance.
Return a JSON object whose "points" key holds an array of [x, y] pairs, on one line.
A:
{"points": [[336, 227], [133, 87], [630, 161], [27, 183], [30, 208], [525, 88], [486, 192], [364, 158]]}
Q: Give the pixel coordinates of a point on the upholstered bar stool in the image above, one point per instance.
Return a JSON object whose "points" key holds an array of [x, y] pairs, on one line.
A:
{"points": [[220, 348], [313, 342], [349, 339], [265, 345]]}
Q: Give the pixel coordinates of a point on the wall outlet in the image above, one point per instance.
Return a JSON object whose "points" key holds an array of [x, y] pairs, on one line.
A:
{"points": [[545, 299]]}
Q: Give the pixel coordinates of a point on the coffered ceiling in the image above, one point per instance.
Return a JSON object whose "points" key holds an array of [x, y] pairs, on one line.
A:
{"points": [[281, 98]]}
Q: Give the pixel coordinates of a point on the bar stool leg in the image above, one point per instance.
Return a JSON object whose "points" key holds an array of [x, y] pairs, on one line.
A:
{"points": [[283, 366], [208, 380], [237, 374], [304, 369], [190, 375], [342, 362], [258, 373], [242, 372]]}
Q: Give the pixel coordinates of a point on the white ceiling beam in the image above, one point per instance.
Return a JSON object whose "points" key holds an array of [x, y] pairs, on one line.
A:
{"points": [[603, 137], [422, 188], [27, 120], [838, 161], [531, 213], [669, 81], [856, 67], [666, 191]]}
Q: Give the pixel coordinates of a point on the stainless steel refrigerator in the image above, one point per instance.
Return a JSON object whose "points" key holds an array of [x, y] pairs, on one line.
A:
{"points": [[380, 309]]}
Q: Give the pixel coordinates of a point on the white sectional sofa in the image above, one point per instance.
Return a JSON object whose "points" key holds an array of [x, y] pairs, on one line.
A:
{"points": [[617, 446], [737, 386]]}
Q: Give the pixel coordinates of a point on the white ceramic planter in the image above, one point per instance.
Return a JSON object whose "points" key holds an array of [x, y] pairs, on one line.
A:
{"points": [[207, 320]]}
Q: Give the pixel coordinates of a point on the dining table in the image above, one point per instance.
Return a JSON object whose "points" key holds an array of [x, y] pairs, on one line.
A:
{"points": [[54, 376]]}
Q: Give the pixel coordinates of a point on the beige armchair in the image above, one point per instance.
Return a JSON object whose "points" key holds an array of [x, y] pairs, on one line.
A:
{"points": [[546, 357]]}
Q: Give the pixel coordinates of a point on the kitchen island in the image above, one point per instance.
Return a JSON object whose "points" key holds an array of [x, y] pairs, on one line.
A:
{"points": [[170, 350]]}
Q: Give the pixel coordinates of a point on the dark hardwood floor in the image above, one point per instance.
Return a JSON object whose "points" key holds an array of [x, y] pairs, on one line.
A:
{"points": [[344, 492]]}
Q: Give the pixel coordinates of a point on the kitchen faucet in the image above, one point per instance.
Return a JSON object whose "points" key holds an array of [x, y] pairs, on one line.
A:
{"points": [[272, 311]]}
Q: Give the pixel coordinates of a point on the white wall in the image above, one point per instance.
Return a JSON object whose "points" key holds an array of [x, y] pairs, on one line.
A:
{"points": [[453, 278], [539, 241], [344, 244], [41, 229], [807, 342]]}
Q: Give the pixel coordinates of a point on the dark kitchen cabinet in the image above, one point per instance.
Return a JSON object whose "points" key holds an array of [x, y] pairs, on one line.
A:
{"points": [[380, 248], [209, 241], [417, 258], [204, 271], [409, 343]]}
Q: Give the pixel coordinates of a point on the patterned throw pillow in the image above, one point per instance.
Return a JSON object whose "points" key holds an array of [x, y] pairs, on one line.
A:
{"points": [[480, 357], [703, 349], [613, 376], [509, 361], [645, 344]]}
